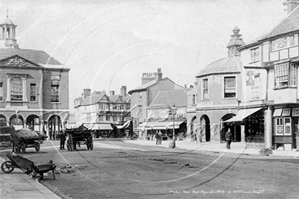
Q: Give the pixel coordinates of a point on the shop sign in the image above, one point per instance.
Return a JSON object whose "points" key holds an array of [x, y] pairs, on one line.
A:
{"points": [[295, 112], [286, 112]]}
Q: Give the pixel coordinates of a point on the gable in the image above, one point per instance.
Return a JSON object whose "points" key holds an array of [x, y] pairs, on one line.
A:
{"points": [[17, 61]]}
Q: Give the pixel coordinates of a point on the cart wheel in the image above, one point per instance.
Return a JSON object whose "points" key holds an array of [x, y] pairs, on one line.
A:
{"points": [[37, 147], [7, 167], [23, 147]]}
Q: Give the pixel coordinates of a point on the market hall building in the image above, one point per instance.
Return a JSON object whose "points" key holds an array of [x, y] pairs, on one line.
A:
{"points": [[34, 87]]}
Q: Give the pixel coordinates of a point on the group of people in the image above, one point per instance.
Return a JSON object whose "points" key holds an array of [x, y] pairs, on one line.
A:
{"points": [[158, 137]]}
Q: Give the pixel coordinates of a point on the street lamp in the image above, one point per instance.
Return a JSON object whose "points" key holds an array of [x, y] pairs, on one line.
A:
{"points": [[173, 112]]}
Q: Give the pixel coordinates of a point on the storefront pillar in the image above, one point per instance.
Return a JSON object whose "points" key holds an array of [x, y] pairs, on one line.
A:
{"points": [[268, 127]]}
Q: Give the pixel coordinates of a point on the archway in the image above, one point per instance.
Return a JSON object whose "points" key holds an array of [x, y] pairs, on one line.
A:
{"points": [[17, 121], [205, 124], [33, 122], [3, 120], [54, 126], [235, 128]]}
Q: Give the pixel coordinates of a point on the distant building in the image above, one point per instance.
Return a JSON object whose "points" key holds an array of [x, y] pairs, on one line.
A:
{"points": [[143, 96], [34, 87], [160, 117], [102, 111]]}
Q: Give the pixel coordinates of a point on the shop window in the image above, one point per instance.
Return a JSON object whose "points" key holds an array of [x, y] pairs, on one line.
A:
{"points": [[1, 91], [255, 54], [287, 126], [229, 87], [285, 75], [32, 92], [205, 88], [16, 89], [279, 126], [55, 83]]}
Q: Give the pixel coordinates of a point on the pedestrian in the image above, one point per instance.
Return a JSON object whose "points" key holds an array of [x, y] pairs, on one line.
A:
{"points": [[62, 138], [228, 137], [159, 137]]}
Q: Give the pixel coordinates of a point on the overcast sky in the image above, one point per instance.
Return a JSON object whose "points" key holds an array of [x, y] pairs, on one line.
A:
{"points": [[108, 44]]}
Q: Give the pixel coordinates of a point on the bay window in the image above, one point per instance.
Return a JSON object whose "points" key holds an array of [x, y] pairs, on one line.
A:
{"points": [[285, 74]]}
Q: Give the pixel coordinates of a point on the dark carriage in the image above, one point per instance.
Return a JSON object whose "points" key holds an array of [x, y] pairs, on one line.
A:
{"points": [[26, 138], [78, 136], [16, 161]]}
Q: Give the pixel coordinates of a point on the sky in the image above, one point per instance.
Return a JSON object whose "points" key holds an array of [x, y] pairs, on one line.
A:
{"points": [[108, 44]]}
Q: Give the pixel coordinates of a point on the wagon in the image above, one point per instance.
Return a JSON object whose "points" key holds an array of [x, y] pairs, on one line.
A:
{"points": [[16, 161], [78, 136], [26, 138]]}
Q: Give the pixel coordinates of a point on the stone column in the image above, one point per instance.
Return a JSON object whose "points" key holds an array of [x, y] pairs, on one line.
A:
{"points": [[268, 127]]}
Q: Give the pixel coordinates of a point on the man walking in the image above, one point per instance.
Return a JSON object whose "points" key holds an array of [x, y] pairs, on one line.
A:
{"points": [[62, 138], [228, 137]]}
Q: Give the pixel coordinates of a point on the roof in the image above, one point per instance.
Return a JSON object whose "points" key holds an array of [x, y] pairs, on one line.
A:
{"points": [[92, 99], [35, 56], [289, 24], [126, 98], [170, 97], [143, 87], [225, 65], [114, 98]]}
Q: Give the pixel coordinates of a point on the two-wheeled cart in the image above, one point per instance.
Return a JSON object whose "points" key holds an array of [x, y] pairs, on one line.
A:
{"points": [[16, 161], [26, 138], [78, 136]]}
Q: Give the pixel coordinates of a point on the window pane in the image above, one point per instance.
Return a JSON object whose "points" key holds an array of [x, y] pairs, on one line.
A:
{"points": [[16, 89], [229, 87], [32, 92]]}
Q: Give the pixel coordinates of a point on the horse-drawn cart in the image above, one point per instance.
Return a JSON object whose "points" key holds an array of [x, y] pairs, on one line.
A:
{"points": [[26, 138], [79, 135]]}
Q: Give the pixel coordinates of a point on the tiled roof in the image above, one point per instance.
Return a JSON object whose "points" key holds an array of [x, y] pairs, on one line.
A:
{"points": [[289, 24], [170, 97], [143, 87], [126, 98], [225, 65], [93, 99], [114, 98], [35, 56]]}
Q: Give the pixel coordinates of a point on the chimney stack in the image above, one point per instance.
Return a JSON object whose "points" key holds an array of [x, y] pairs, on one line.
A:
{"points": [[123, 91], [111, 93], [290, 5], [86, 92]]}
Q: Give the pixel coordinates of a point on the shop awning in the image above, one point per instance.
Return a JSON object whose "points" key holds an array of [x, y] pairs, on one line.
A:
{"points": [[160, 125], [125, 125], [99, 126], [242, 114]]}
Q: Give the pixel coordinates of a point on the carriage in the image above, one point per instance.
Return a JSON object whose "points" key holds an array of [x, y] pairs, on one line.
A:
{"points": [[78, 136]]}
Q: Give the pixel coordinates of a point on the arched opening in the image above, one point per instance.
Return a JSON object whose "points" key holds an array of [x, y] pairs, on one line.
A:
{"points": [[193, 128], [17, 121], [54, 126], [3, 121], [33, 122], [205, 124], [234, 127]]}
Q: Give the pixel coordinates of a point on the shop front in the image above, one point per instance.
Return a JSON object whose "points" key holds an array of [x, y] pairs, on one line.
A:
{"points": [[286, 130]]}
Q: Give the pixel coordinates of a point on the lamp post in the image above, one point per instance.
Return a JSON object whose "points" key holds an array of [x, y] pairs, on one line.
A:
{"points": [[173, 112]]}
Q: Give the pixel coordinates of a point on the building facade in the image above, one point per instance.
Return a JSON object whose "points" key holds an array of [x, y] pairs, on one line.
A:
{"points": [[216, 95], [34, 87], [270, 68], [101, 111], [143, 96]]}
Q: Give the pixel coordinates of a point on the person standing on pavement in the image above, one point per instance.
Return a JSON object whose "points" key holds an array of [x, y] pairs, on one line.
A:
{"points": [[62, 138], [228, 137]]}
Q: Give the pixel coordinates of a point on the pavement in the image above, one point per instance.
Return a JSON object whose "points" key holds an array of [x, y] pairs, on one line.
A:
{"points": [[236, 147], [17, 184]]}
